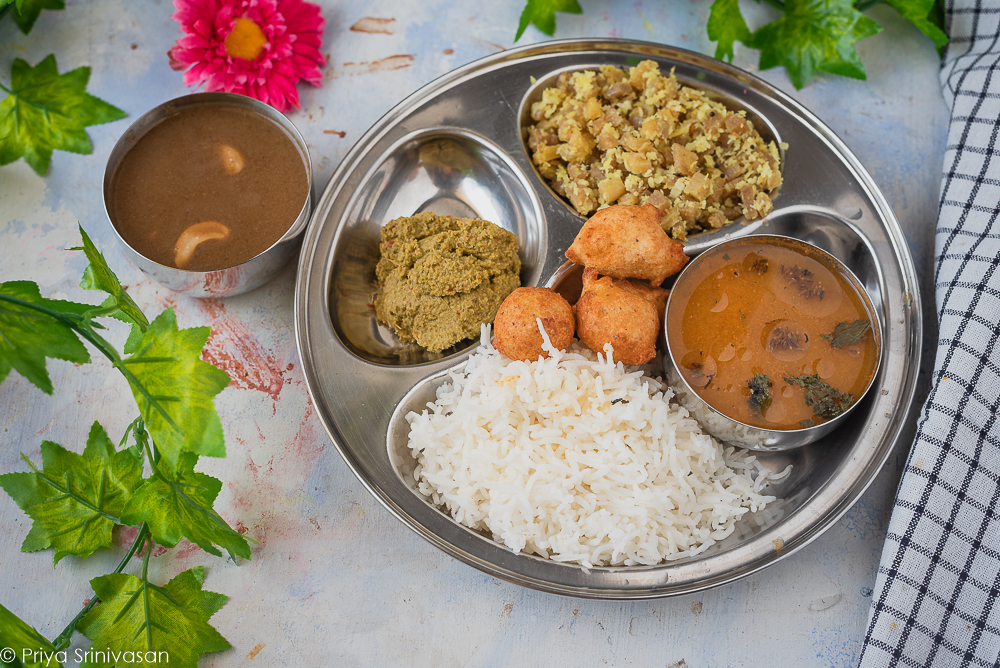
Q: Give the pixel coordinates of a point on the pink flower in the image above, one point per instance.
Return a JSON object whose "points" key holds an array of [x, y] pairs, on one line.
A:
{"points": [[259, 48]]}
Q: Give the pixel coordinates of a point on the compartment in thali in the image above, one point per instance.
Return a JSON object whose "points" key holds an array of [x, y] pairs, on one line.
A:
{"points": [[791, 492], [686, 76], [443, 171], [567, 281]]}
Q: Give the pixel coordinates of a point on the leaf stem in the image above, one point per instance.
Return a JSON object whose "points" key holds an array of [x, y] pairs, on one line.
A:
{"points": [[79, 325], [102, 312], [62, 641], [154, 458], [71, 321], [145, 594], [777, 4], [864, 5], [128, 430]]}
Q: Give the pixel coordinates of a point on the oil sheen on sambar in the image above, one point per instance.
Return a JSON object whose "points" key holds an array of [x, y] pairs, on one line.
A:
{"points": [[763, 307], [180, 173]]}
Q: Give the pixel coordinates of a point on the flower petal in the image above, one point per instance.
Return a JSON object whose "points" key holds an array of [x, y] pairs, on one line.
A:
{"points": [[294, 33]]}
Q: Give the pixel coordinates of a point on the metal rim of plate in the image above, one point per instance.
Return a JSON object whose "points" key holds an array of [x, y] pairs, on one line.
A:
{"points": [[360, 394]]}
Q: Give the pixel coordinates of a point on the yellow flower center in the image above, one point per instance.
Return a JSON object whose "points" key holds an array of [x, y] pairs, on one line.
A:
{"points": [[246, 41]]}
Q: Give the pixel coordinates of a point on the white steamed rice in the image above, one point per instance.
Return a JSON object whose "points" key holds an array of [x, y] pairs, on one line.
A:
{"points": [[579, 460]]}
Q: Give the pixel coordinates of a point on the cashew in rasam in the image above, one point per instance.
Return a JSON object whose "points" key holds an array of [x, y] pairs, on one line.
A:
{"points": [[232, 160], [194, 235]]}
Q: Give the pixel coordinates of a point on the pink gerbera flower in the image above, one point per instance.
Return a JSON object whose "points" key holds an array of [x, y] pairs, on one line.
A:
{"points": [[259, 48]]}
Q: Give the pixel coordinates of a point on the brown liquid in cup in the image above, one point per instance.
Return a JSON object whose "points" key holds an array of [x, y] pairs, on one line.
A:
{"points": [[208, 163]]}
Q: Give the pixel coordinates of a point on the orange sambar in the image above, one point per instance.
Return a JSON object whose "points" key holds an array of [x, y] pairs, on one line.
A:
{"points": [[771, 305]]}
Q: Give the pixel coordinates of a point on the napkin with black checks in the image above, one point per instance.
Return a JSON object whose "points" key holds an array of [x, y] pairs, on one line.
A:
{"points": [[938, 584]]}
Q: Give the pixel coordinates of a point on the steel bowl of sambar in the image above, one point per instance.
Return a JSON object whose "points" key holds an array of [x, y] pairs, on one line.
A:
{"points": [[771, 341]]}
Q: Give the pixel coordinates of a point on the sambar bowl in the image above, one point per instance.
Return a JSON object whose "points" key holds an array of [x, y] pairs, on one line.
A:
{"points": [[726, 426]]}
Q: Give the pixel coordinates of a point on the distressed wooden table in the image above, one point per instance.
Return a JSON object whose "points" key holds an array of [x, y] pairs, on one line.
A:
{"points": [[336, 580]]}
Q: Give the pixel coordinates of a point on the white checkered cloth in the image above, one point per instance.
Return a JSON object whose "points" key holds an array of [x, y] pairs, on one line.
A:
{"points": [[936, 592]]}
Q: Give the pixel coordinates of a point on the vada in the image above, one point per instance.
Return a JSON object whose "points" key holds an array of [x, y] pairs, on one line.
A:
{"points": [[656, 296], [515, 330], [626, 241], [607, 313]]}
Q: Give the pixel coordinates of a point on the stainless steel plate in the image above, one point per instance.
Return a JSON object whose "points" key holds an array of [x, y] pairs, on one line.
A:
{"points": [[455, 147]]}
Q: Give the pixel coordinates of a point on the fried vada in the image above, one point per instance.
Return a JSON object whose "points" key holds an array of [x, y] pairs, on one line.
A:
{"points": [[626, 241], [607, 313], [656, 296], [515, 330]]}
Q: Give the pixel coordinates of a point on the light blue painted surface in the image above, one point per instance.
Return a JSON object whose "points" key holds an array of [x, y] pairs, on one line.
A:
{"points": [[335, 579]]}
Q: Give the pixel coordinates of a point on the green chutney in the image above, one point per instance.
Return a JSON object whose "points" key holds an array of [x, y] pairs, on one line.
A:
{"points": [[440, 277]]}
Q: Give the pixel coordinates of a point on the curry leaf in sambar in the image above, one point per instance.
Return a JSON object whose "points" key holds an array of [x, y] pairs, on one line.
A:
{"points": [[74, 500], [760, 394], [179, 503], [45, 110], [174, 389], [137, 616], [826, 401], [847, 333], [814, 35]]}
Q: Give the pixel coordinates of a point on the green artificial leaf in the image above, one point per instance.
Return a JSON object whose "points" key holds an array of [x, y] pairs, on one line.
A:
{"points": [[174, 389], [814, 35], [75, 500], [924, 15], [98, 276], [826, 402], [176, 504], [31, 649], [936, 17], [135, 331], [29, 335], [139, 617], [46, 110], [726, 26], [543, 14], [28, 11], [847, 333]]}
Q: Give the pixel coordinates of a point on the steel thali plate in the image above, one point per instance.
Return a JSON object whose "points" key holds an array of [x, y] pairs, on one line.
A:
{"points": [[455, 147]]}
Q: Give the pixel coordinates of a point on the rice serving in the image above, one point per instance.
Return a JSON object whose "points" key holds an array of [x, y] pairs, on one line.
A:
{"points": [[577, 459]]}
